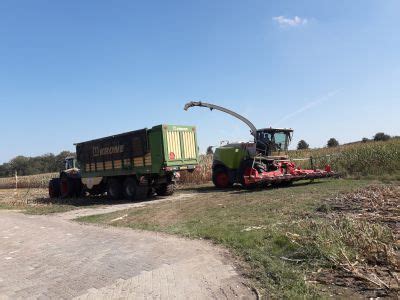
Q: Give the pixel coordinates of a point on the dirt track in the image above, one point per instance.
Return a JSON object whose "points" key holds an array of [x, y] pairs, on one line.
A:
{"points": [[53, 257]]}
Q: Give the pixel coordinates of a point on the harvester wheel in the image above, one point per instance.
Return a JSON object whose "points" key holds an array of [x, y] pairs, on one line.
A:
{"points": [[221, 179], [54, 188], [114, 189], [166, 189]]}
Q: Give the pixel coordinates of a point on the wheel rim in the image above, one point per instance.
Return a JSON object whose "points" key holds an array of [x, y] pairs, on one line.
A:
{"points": [[222, 179]]}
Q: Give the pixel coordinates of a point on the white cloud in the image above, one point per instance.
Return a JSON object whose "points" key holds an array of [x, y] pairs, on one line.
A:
{"points": [[287, 22]]}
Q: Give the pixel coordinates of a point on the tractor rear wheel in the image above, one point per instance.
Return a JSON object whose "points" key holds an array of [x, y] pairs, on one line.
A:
{"points": [[221, 179], [54, 188], [114, 189], [67, 187], [166, 189], [78, 187]]}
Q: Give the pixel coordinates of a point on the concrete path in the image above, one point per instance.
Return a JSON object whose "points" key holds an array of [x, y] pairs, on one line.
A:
{"points": [[51, 257]]}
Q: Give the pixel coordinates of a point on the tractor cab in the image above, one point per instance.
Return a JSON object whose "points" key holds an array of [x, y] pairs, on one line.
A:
{"points": [[70, 162], [273, 141]]}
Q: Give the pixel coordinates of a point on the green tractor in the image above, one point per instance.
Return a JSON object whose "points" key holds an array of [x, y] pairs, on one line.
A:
{"points": [[68, 184], [262, 162]]}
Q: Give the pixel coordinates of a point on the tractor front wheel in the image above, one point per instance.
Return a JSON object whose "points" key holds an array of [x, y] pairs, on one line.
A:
{"points": [[221, 179]]}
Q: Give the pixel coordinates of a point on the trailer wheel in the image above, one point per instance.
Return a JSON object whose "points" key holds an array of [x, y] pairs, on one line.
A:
{"points": [[114, 189], [142, 192], [130, 188], [166, 189], [54, 188], [133, 191], [221, 179]]}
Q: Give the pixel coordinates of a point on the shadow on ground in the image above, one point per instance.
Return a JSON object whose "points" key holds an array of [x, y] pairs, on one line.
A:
{"points": [[238, 189], [202, 189]]}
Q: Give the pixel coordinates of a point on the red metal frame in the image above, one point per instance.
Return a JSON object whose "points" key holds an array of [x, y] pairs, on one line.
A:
{"points": [[286, 172]]}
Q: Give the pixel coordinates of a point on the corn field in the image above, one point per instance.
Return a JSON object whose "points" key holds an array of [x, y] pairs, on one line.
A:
{"points": [[361, 159], [201, 174], [31, 181]]}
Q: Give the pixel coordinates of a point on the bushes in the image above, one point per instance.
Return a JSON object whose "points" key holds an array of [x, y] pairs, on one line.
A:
{"points": [[302, 145]]}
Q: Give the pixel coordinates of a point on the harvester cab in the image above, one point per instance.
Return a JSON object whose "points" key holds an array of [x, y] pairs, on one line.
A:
{"points": [[264, 161], [273, 141]]}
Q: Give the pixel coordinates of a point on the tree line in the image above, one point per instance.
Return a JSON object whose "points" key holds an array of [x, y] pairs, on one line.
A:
{"points": [[23, 165], [332, 142]]}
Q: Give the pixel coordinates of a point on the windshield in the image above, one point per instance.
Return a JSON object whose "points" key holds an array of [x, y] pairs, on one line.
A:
{"points": [[275, 141], [280, 141], [69, 163]]}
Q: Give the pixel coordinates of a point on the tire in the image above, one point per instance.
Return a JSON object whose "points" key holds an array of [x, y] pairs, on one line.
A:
{"points": [[67, 187], [221, 179], [54, 188], [114, 189], [166, 189], [133, 191], [78, 187], [142, 192], [130, 188]]}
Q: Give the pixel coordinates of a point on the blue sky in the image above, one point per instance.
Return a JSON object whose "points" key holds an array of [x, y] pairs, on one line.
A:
{"points": [[77, 70]]}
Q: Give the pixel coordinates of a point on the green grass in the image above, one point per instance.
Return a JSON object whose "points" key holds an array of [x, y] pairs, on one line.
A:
{"points": [[258, 226], [48, 209], [39, 209], [8, 206]]}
